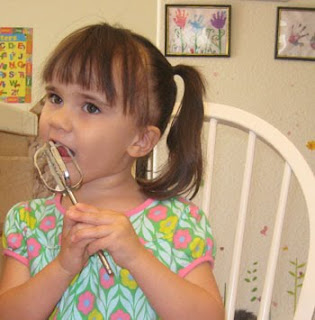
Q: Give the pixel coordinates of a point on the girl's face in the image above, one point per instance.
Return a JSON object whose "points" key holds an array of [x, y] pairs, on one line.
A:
{"points": [[99, 135]]}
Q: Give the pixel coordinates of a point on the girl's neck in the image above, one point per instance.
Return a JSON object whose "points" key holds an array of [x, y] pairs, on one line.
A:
{"points": [[120, 197]]}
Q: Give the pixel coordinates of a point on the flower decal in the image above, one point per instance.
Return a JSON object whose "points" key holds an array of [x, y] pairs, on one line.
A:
{"points": [[197, 247], [106, 280], [86, 302], [120, 315], [48, 223], [14, 240], [157, 213], [311, 144], [33, 248], [127, 279], [181, 239]]}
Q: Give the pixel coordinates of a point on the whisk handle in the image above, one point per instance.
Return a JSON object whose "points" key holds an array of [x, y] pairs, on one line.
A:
{"points": [[71, 196], [105, 262], [100, 253]]}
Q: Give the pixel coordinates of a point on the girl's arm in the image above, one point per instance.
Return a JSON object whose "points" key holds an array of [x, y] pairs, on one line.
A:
{"points": [[23, 297], [34, 298], [195, 297]]}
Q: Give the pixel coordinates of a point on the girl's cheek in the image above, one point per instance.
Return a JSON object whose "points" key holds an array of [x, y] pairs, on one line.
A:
{"points": [[42, 129]]}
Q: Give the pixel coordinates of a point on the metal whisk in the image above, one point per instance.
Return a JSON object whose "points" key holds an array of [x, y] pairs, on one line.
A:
{"points": [[49, 154]]}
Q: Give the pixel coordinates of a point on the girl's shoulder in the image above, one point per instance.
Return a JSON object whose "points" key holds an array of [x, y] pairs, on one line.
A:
{"points": [[39, 206], [180, 207]]}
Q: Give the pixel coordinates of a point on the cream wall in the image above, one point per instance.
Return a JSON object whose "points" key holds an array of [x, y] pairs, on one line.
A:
{"points": [[280, 91]]}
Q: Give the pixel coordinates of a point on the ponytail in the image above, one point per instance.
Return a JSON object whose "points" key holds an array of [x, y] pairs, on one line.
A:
{"points": [[183, 171], [184, 138]]}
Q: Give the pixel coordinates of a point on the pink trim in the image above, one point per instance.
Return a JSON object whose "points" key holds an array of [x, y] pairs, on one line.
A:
{"points": [[58, 203], [129, 213], [16, 256], [141, 207], [183, 272]]}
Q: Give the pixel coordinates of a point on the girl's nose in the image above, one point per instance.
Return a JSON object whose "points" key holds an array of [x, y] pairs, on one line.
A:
{"points": [[61, 119]]}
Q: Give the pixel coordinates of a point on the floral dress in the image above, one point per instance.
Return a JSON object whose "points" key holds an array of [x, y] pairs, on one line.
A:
{"points": [[175, 231]]}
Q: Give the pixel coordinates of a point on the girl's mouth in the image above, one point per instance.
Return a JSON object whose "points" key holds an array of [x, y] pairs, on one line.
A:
{"points": [[64, 151]]}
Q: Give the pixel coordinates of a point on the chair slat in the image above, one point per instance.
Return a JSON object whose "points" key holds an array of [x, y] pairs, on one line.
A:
{"points": [[275, 246], [239, 234], [206, 198]]}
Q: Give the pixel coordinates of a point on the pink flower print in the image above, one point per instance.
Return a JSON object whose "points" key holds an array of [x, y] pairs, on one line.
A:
{"points": [[48, 223], [181, 239], [106, 280], [181, 18], [194, 211], [157, 213], [33, 248], [120, 315], [14, 240], [86, 302]]}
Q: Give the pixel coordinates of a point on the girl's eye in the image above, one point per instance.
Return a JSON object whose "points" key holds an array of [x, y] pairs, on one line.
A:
{"points": [[54, 98], [91, 108]]}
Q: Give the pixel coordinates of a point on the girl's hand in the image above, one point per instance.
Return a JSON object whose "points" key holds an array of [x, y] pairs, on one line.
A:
{"points": [[107, 230], [73, 254]]}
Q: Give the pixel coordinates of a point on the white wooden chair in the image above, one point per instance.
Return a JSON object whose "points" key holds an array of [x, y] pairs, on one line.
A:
{"points": [[292, 169], [293, 164]]}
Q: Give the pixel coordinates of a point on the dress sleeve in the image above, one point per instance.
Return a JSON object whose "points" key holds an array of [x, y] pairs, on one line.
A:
{"points": [[14, 241], [193, 240]]}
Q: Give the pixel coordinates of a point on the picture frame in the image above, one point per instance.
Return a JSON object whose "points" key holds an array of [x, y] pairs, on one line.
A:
{"points": [[295, 33], [197, 30]]}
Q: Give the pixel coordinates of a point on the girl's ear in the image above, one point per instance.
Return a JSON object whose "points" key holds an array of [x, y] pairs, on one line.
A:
{"points": [[145, 141]]}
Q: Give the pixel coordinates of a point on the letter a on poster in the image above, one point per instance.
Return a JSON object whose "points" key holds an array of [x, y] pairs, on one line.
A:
{"points": [[16, 64]]}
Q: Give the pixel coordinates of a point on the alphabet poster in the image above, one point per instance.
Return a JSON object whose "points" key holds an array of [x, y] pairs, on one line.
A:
{"points": [[16, 64]]}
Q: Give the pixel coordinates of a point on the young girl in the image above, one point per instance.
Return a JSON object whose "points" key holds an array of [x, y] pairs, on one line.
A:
{"points": [[110, 95]]}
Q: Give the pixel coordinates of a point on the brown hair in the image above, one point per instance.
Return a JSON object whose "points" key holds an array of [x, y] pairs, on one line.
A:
{"points": [[92, 55]]}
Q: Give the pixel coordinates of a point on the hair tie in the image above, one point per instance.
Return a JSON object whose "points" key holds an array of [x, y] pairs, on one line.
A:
{"points": [[176, 70]]}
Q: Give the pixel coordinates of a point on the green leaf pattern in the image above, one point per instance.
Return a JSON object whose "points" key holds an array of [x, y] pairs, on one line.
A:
{"points": [[174, 230]]}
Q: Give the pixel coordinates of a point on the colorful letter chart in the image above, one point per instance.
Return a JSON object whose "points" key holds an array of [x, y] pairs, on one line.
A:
{"points": [[16, 64]]}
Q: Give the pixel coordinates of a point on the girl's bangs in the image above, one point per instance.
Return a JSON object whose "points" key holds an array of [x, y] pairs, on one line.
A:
{"points": [[106, 60], [76, 63]]}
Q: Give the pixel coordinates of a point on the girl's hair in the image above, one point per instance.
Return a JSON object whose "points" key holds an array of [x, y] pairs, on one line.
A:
{"points": [[120, 63]]}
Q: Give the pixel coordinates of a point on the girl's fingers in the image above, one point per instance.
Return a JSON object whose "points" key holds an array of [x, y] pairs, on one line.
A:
{"points": [[90, 232], [91, 215]]}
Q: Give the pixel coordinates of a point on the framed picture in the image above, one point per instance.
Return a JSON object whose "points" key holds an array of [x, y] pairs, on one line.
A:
{"points": [[295, 37], [197, 30]]}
